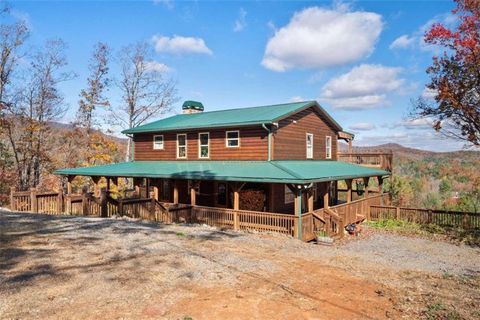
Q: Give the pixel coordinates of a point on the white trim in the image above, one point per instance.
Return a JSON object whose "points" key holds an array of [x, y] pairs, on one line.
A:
{"points": [[309, 155], [186, 146], [200, 145], [227, 139], [163, 142], [328, 147]]}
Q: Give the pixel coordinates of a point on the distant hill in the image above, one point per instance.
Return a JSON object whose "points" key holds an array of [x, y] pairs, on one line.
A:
{"points": [[401, 152], [60, 126]]}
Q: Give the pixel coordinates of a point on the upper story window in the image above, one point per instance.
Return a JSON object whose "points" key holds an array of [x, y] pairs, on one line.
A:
{"points": [[309, 145], [158, 142], [233, 139], [204, 145], [181, 145], [328, 147]]}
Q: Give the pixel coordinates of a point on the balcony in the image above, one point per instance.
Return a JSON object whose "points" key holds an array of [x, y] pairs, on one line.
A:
{"points": [[381, 160]]}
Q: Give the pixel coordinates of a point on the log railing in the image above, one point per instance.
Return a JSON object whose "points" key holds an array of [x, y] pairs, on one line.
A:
{"points": [[382, 160], [465, 220]]}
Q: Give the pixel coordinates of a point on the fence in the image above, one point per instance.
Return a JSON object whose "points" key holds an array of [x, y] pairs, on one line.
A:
{"points": [[381, 160], [466, 220]]}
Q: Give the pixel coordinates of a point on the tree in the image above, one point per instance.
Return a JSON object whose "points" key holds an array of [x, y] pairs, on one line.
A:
{"points": [[98, 82], [145, 91], [28, 119], [455, 76]]}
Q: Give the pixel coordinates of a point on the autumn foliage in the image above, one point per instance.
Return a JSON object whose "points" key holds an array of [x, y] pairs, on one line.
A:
{"points": [[455, 75]]}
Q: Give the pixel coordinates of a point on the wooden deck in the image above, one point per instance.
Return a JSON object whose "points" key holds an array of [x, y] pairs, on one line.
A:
{"points": [[381, 160]]}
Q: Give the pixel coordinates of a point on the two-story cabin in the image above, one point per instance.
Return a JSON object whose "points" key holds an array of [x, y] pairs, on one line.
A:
{"points": [[277, 158]]}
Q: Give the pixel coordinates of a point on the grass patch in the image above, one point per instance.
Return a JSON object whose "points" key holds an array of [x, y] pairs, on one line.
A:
{"points": [[181, 234], [470, 237], [437, 311]]}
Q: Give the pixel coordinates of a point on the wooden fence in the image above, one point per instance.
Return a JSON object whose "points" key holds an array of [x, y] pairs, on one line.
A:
{"points": [[465, 220]]}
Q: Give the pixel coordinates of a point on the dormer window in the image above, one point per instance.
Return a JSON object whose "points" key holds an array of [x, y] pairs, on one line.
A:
{"points": [[158, 142], [328, 147], [181, 146], [232, 139]]}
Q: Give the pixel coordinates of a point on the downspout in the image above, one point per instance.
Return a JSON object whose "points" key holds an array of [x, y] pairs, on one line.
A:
{"points": [[269, 158]]}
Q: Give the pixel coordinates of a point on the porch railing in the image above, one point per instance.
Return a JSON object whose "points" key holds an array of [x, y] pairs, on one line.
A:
{"points": [[382, 160]]}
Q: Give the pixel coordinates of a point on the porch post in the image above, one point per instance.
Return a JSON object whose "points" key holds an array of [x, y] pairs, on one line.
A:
{"points": [[12, 199], [298, 211], [175, 192], [147, 187], [380, 188], [155, 189], [326, 196], [108, 184], [193, 193], [349, 189], [60, 197], [69, 184], [310, 200], [103, 201], [365, 182]]}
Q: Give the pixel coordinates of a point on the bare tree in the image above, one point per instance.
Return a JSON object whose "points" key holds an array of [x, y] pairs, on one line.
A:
{"points": [[12, 38], [98, 82], [40, 103], [146, 93]]}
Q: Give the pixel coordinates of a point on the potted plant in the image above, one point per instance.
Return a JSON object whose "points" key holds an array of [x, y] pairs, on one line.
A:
{"points": [[323, 238]]}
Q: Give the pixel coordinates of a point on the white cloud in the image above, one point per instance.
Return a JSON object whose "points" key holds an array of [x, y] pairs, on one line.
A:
{"points": [[179, 45], [241, 21], [362, 126], [297, 99], [154, 66], [167, 3], [420, 123], [320, 38], [403, 42], [429, 94], [416, 39], [364, 86]]}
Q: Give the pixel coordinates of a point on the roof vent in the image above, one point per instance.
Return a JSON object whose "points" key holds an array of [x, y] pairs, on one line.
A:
{"points": [[190, 106]]}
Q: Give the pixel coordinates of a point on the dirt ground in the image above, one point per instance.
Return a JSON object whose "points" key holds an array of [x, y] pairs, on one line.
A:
{"points": [[92, 268]]}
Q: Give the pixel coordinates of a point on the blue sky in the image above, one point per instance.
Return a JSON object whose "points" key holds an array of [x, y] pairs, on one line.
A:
{"points": [[363, 61]]}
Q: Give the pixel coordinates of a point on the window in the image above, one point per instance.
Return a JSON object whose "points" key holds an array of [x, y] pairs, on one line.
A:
{"points": [[158, 142], [181, 145], [289, 196], [328, 147], [233, 139], [309, 145], [204, 145]]}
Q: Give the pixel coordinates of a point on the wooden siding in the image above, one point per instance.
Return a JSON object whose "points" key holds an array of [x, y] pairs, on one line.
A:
{"points": [[253, 145], [289, 140]]}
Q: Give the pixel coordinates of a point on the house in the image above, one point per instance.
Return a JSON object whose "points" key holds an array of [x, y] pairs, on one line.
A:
{"points": [[280, 158]]}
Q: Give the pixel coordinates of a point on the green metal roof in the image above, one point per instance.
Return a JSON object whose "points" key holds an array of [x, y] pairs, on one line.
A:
{"points": [[230, 118], [247, 171]]}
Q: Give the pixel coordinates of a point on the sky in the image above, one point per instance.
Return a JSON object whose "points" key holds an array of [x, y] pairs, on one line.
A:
{"points": [[363, 61]]}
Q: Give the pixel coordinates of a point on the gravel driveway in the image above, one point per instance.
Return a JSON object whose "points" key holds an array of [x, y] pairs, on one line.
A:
{"points": [[77, 268]]}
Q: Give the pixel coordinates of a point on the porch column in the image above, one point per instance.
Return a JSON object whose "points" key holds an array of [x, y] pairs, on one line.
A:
{"points": [[175, 192], [193, 193], [380, 188], [155, 189], [108, 184], [365, 182], [349, 189], [147, 187], [326, 196], [96, 190], [310, 199], [69, 184], [298, 211]]}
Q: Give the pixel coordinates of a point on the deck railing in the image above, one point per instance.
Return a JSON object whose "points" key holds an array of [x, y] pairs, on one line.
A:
{"points": [[465, 220], [382, 160]]}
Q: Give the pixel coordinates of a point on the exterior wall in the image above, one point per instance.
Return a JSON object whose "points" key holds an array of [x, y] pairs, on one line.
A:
{"points": [[253, 145], [289, 140]]}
